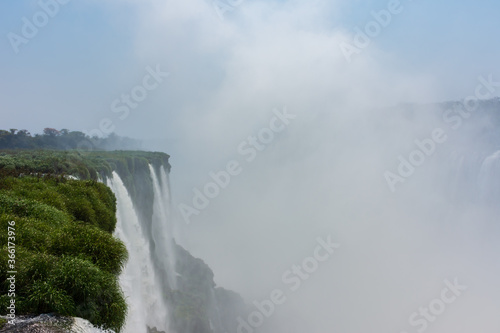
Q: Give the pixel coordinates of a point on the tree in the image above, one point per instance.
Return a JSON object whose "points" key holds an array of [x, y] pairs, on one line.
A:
{"points": [[23, 133], [51, 132]]}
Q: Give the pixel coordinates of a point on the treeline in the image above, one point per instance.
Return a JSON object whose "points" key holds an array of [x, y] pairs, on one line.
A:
{"points": [[64, 140]]}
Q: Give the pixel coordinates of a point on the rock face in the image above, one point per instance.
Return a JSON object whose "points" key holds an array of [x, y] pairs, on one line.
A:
{"points": [[198, 306], [194, 304], [47, 323]]}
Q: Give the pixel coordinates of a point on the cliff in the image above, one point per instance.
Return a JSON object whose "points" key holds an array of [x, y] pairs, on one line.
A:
{"points": [[67, 259], [198, 306], [61, 248]]}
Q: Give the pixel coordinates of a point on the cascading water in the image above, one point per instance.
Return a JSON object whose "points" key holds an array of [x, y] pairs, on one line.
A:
{"points": [[489, 178], [164, 254], [139, 280], [150, 273], [473, 177]]}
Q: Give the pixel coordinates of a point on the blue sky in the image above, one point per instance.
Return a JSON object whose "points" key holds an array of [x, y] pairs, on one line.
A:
{"points": [[322, 175], [225, 75], [81, 55], [229, 73]]}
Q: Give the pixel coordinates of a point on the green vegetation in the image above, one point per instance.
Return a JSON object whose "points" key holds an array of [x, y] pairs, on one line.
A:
{"points": [[131, 166], [63, 140], [84, 165], [67, 260]]}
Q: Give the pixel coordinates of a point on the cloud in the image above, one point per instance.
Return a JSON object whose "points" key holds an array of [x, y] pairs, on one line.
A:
{"points": [[321, 176]]}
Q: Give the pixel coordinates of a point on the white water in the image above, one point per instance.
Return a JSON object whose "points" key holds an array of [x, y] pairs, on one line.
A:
{"points": [[164, 255], [139, 280], [84, 326], [489, 177]]}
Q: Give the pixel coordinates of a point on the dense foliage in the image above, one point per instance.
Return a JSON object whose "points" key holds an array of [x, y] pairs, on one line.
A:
{"points": [[63, 140], [84, 165], [131, 166], [67, 260]]}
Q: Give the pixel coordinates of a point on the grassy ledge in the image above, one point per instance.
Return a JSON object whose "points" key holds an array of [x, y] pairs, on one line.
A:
{"points": [[67, 260]]}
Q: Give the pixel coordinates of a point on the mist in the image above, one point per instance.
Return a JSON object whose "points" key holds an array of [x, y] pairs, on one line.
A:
{"points": [[307, 141]]}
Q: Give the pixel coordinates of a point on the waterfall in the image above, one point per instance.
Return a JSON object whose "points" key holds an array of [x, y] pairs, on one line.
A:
{"points": [[216, 314], [489, 178], [162, 230], [473, 177], [140, 280], [150, 275]]}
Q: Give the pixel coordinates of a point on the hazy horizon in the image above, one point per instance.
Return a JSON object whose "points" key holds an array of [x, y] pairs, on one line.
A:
{"points": [[299, 103]]}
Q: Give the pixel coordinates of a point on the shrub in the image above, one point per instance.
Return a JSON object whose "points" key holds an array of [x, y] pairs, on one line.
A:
{"points": [[67, 259], [45, 297]]}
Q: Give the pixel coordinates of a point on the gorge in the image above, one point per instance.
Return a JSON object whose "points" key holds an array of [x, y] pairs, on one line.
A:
{"points": [[164, 287]]}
